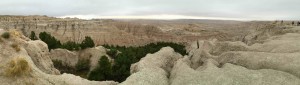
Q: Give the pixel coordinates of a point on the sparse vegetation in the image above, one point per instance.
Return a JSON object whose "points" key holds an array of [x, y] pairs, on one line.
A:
{"points": [[6, 35], [16, 47], [18, 67]]}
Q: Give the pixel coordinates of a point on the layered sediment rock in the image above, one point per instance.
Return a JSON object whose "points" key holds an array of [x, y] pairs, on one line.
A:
{"points": [[32, 66]]}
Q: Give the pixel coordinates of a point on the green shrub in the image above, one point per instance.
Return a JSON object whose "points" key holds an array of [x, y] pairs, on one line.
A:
{"points": [[6, 35], [103, 71], [33, 36], [87, 43], [51, 41]]}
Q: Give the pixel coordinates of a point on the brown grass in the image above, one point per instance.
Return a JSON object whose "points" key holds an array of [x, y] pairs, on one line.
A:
{"points": [[15, 33], [18, 67], [16, 47]]}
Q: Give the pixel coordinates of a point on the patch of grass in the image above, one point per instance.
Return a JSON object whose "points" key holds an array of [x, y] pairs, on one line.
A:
{"points": [[6, 35], [16, 47], [18, 67]]}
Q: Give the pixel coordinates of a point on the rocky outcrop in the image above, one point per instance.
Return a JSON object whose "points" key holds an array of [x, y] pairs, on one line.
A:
{"points": [[288, 43], [164, 59], [17, 67], [38, 51], [286, 62], [153, 69], [210, 49], [228, 74], [148, 76]]}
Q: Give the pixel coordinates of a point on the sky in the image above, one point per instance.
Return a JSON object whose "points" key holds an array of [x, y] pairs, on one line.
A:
{"points": [[157, 9]]}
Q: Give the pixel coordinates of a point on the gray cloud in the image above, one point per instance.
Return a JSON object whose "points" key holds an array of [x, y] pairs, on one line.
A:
{"points": [[244, 9]]}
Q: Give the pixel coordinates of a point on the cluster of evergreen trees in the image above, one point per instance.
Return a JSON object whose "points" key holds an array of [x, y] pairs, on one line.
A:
{"points": [[120, 70], [53, 43]]}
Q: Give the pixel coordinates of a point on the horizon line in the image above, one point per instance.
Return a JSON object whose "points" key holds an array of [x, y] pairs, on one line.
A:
{"points": [[162, 17]]}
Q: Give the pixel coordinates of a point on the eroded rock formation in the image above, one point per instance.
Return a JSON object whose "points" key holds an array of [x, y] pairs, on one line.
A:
{"points": [[32, 66]]}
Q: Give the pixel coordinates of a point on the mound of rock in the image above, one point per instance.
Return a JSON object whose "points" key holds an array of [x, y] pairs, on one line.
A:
{"points": [[203, 50], [153, 69], [228, 74], [38, 51], [287, 43], [286, 62], [17, 67]]}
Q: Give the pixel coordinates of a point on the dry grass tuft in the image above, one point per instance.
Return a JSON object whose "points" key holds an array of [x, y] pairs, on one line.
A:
{"points": [[16, 47], [18, 67], [15, 33]]}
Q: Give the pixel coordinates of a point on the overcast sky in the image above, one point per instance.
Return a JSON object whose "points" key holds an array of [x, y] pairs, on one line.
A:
{"points": [[168, 9]]}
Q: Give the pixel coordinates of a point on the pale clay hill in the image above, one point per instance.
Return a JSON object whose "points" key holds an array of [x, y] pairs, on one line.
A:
{"points": [[263, 56]]}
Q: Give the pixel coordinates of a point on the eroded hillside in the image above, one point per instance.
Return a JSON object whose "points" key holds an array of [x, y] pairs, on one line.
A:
{"points": [[129, 32]]}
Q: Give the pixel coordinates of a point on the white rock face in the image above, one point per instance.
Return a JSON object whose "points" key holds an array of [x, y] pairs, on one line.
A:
{"points": [[228, 74], [148, 76], [67, 57], [286, 62], [212, 49], [38, 51], [288, 43], [164, 59], [18, 68], [153, 69]]}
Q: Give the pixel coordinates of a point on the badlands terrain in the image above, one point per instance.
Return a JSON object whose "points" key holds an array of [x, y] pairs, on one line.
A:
{"points": [[218, 52]]}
